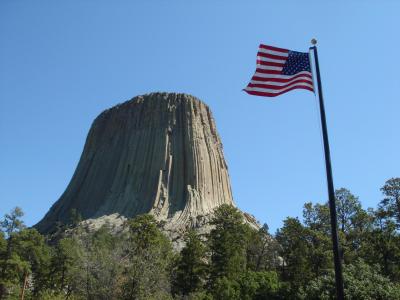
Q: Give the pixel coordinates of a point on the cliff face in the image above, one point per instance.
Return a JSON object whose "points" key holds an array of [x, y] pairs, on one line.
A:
{"points": [[159, 153]]}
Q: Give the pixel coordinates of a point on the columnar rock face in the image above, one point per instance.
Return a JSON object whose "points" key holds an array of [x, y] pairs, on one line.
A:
{"points": [[159, 153]]}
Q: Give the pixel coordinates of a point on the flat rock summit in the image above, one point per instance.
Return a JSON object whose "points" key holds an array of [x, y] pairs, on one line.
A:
{"points": [[158, 153]]}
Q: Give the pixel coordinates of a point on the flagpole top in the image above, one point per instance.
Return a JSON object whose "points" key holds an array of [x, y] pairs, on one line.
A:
{"points": [[313, 42]]}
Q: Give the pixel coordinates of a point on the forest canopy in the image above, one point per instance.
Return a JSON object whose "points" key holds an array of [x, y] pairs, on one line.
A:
{"points": [[233, 261]]}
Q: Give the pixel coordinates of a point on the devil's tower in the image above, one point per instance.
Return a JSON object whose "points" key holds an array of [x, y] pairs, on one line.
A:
{"points": [[158, 153]]}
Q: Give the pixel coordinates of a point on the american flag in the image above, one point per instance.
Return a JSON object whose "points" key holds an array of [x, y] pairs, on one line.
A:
{"points": [[279, 71]]}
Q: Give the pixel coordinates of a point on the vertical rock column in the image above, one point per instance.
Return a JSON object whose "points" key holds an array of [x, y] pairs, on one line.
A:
{"points": [[159, 153]]}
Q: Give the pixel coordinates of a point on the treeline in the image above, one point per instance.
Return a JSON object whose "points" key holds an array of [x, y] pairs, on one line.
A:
{"points": [[233, 261]]}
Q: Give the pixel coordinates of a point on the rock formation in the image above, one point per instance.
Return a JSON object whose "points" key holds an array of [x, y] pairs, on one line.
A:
{"points": [[159, 153]]}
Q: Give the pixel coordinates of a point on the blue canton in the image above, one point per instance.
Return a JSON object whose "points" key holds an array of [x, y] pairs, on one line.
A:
{"points": [[296, 62]]}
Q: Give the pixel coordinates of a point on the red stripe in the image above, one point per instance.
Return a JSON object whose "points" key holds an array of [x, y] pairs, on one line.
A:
{"points": [[265, 94], [268, 71], [274, 48], [277, 87], [273, 56], [269, 63], [257, 78]]}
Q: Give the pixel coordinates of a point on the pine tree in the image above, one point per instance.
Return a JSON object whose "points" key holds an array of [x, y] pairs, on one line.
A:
{"points": [[296, 270], [148, 261], [391, 202], [29, 245], [64, 265], [228, 242], [11, 266], [12, 222], [191, 269]]}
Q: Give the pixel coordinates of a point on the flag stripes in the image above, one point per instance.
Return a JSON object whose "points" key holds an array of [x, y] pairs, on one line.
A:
{"points": [[274, 72]]}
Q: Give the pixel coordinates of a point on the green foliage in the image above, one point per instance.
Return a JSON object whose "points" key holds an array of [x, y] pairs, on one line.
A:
{"points": [[101, 260], [391, 202], [12, 222], [228, 244], [352, 221], [191, 269], [30, 247], [294, 252], [262, 251], [148, 261], [367, 235], [12, 274], [53, 295], [347, 206], [3, 245], [65, 257], [317, 237], [239, 257], [28, 257], [362, 281], [250, 285], [316, 217], [234, 261], [259, 285], [88, 264], [202, 295], [24, 257], [382, 245], [74, 218], [226, 289]]}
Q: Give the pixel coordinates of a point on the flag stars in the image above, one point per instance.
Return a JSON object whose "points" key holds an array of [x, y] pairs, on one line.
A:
{"points": [[296, 62]]}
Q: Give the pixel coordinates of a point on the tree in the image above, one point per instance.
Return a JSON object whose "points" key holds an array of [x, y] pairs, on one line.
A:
{"points": [[228, 242], [362, 225], [74, 218], [148, 261], [259, 285], [28, 259], [347, 206], [10, 225], [64, 260], [382, 245], [105, 253], [262, 251], [294, 252], [12, 222], [3, 245], [226, 289], [191, 268], [361, 281], [30, 246], [248, 286], [13, 273], [317, 235], [391, 202], [88, 264], [353, 223], [316, 217]]}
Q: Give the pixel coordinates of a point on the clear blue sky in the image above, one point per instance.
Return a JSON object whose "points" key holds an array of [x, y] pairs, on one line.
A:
{"points": [[63, 62]]}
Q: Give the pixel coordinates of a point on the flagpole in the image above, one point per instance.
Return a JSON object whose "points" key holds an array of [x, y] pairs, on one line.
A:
{"points": [[331, 191]]}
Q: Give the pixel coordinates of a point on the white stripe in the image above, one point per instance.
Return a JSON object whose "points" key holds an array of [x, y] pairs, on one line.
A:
{"points": [[284, 54], [280, 61], [269, 68], [281, 83], [256, 89], [279, 75]]}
